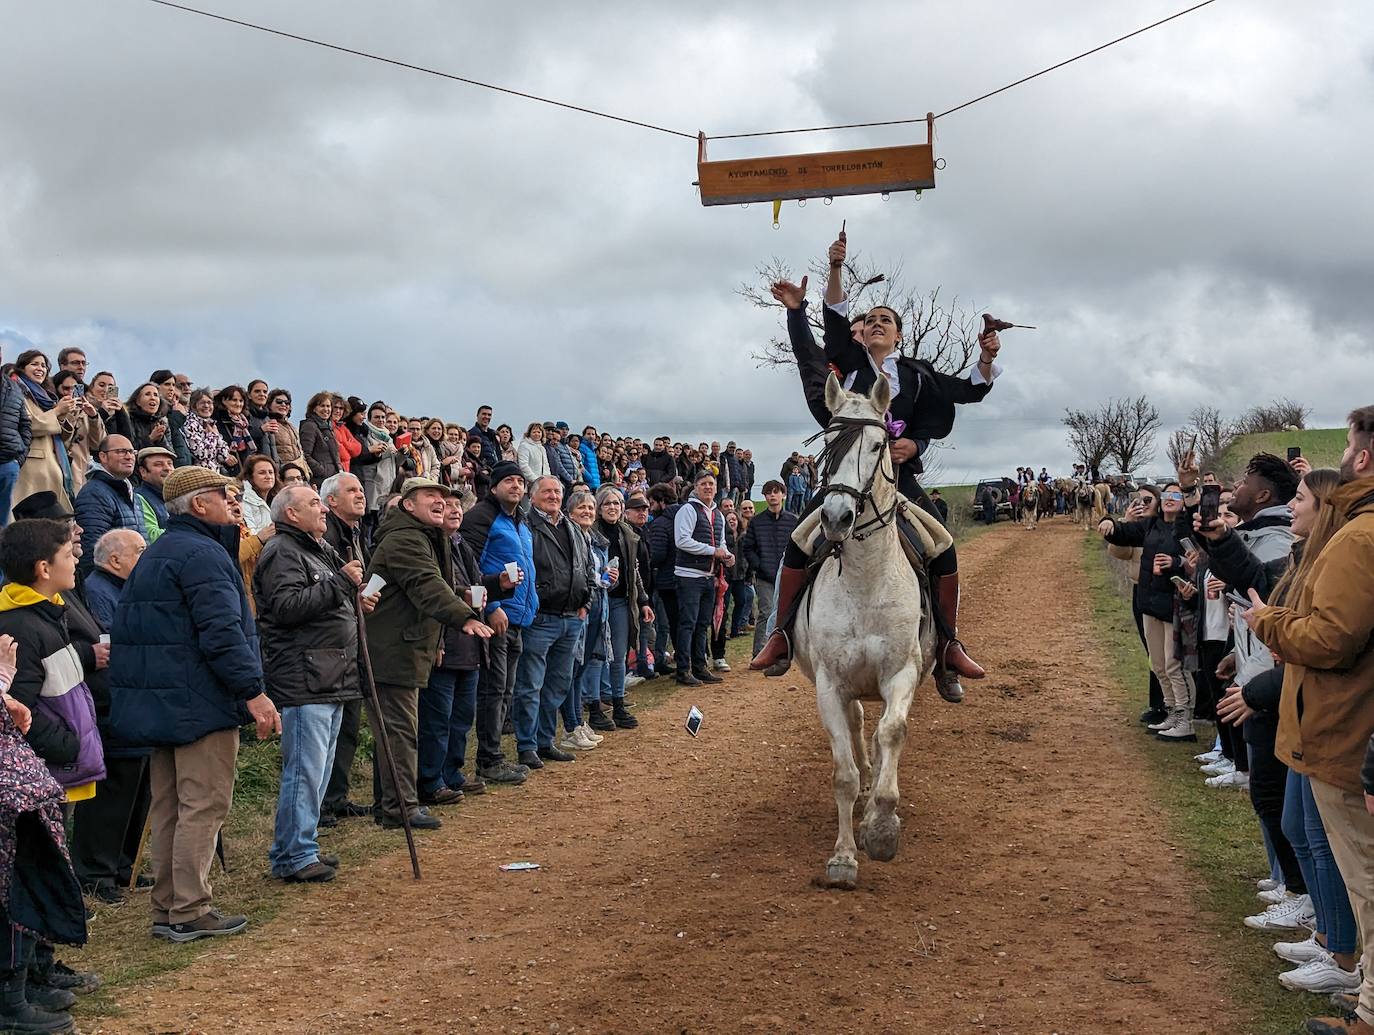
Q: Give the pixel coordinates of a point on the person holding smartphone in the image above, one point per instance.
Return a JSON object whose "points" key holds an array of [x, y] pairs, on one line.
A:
{"points": [[1160, 558]]}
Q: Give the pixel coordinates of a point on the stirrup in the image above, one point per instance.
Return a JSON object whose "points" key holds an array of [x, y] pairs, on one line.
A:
{"points": [[782, 664]]}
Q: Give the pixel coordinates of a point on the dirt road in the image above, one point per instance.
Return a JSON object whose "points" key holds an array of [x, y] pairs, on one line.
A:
{"points": [[1035, 891]]}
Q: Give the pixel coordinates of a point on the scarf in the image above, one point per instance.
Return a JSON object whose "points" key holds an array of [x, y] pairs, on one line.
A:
{"points": [[36, 392], [240, 441]]}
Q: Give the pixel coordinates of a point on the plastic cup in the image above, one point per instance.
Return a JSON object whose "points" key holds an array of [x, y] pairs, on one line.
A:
{"points": [[479, 596]]}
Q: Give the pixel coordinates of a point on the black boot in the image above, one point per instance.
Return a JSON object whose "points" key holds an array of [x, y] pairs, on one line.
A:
{"points": [[598, 719], [621, 715], [22, 1017]]}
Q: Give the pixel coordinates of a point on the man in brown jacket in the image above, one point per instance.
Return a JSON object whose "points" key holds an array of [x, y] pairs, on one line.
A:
{"points": [[1326, 714]]}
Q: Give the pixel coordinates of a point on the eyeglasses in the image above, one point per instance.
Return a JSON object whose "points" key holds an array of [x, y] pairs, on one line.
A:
{"points": [[119, 452]]}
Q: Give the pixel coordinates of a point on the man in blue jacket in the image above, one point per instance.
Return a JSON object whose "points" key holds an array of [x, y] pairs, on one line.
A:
{"points": [[497, 533], [107, 500], [184, 675]]}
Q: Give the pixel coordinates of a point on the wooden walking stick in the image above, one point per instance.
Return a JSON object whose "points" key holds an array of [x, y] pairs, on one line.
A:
{"points": [[142, 847], [379, 736]]}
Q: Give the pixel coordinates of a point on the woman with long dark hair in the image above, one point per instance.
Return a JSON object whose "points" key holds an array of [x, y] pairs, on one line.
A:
{"points": [[231, 416], [47, 466]]}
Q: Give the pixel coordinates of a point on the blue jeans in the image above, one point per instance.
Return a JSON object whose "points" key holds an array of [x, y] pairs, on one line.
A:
{"points": [[542, 678], [665, 627], [572, 704], [308, 735], [696, 598], [9, 474], [1302, 825], [743, 595], [448, 707], [620, 642]]}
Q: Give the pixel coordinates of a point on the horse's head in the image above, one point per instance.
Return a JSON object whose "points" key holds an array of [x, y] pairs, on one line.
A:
{"points": [[856, 468]]}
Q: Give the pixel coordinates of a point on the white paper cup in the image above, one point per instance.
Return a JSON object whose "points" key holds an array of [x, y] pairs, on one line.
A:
{"points": [[374, 586], [479, 596], [513, 571]]}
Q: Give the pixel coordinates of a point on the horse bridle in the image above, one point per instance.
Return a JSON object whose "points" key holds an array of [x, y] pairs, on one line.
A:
{"points": [[848, 432]]}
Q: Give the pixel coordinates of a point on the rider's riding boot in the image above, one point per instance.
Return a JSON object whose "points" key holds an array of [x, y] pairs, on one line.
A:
{"points": [[776, 656], [950, 653]]}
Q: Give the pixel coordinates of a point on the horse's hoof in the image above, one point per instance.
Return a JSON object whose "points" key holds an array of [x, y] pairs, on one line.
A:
{"points": [[881, 837], [842, 875]]}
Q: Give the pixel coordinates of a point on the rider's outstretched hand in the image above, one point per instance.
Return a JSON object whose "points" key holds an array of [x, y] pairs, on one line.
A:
{"points": [[789, 294]]}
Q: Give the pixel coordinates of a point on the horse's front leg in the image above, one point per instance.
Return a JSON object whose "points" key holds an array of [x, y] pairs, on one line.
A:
{"points": [[855, 714], [881, 831], [842, 870]]}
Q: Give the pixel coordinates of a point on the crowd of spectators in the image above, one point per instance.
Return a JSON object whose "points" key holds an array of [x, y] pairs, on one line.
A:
{"points": [[1255, 605], [180, 562]]}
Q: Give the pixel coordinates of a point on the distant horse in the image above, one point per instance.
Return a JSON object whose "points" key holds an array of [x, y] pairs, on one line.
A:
{"points": [[1037, 499]]}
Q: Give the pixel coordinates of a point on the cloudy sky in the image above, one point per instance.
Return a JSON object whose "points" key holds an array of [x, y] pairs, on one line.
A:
{"points": [[1186, 215]]}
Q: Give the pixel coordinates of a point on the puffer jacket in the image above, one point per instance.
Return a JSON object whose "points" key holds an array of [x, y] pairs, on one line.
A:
{"points": [[1154, 594], [349, 446], [658, 533], [16, 431], [104, 504], [257, 514], [1326, 639], [1253, 557], [765, 541], [307, 621], [534, 461], [659, 466], [498, 539], [405, 630], [184, 660], [591, 467], [51, 680]]}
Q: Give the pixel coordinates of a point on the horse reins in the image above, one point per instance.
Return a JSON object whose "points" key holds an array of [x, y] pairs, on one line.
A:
{"points": [[847, 431]]}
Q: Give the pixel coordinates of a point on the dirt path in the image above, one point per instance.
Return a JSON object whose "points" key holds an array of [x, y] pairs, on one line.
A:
{"points": [[1034, 893]]}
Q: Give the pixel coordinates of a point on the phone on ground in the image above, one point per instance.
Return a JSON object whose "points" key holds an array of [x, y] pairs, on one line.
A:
{"points": [[694, 718]]}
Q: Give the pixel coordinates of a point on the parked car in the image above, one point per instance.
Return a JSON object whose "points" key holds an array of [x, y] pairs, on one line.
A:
{"points": [[1000, 488]]}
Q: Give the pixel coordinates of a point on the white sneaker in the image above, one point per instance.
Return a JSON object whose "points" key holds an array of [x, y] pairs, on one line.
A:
{"points": [[1301, 952], [1239, 780], [568, 742], [720, 666], [579, 739], [1273, 898], [1322, 975], [1220, 767], [633, 681], [1208, 757], [1162, 724], [1291, 914], [591, 734], [1267, 884]]}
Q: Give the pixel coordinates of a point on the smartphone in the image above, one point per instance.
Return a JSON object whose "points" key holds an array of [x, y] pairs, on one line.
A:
{"points": [[1294, 452], [79, 392], [1210, 508], [1245, 603], [1188, 545], [1179, 581], [694, 718]]}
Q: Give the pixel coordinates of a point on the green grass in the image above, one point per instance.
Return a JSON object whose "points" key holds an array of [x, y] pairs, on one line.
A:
{"points": [[1216, 830], [1321, 446]]}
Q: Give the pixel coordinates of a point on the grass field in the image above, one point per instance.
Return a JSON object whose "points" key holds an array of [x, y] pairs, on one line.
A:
{"points": [[1321, 446], [1216, 831]]}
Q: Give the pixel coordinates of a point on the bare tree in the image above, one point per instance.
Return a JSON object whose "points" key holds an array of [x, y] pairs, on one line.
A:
{"points": [[1088, 435], [1277, 415], [943, 332], [1214, 434], [1131, 428]]}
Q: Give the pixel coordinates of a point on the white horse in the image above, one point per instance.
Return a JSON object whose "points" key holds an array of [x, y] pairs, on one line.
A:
{"points": [[863, 633]]}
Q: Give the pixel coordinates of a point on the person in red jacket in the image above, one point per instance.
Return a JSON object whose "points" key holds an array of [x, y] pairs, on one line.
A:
{"points": [[349, 446]]}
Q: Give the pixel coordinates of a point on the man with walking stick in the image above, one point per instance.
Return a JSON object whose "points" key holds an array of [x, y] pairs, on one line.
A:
{"points": [[404, 636]]}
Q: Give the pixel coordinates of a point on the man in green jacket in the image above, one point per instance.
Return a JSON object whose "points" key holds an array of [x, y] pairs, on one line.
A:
{"points": [[405, 634]]}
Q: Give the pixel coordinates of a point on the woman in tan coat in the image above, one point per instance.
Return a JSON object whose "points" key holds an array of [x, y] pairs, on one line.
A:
{"points": [[85, 432], [47, 468]]}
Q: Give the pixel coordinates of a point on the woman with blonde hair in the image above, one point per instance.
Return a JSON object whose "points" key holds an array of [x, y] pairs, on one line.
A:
{"points": [[533, 460]]}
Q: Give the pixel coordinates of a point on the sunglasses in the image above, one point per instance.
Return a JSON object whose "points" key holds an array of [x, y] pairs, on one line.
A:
{"points": [[1178, 496]]}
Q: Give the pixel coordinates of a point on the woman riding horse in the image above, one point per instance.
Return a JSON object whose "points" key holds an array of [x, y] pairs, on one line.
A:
{"points": [[922, 410]]}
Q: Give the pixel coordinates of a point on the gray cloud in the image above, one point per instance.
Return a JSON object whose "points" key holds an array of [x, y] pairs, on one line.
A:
{"points": [[1184, 215]]}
